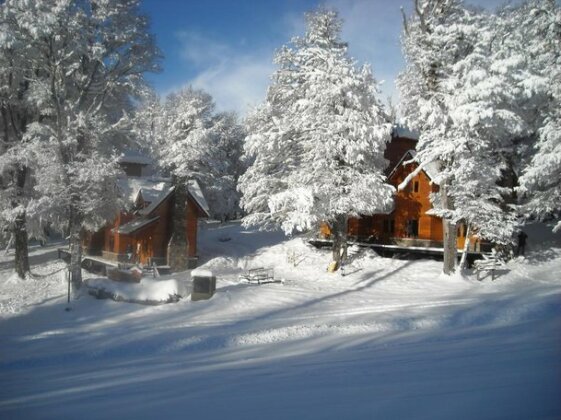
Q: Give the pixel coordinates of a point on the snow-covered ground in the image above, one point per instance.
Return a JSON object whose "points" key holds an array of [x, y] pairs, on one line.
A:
{"points": [[390, 339]]}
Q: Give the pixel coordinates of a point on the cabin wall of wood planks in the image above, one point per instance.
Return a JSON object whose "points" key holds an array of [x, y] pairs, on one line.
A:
{"points": [[147, 243]]}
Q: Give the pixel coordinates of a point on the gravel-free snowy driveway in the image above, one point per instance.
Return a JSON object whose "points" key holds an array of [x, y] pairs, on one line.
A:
{"points": [[394, 339]]}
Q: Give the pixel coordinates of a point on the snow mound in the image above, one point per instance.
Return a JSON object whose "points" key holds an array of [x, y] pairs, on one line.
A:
{"points": [[17, 296], [219, 262], [148, 291]]}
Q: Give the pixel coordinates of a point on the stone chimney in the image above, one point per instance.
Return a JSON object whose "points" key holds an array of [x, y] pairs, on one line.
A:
{"points": [[178, 259]]}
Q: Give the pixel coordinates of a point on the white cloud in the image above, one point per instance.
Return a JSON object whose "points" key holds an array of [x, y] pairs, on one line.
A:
{"points": [[236, 78], [200, 50], [237, 83]]}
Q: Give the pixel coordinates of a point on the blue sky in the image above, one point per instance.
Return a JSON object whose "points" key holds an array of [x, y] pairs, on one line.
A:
{"points": [[226, 47]]}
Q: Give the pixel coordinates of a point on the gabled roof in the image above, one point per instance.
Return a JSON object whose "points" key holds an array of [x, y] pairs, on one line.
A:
{"points": [[149, 195], [151, 188], [164, 194], [431, 170], [156, 190], [194, 190], [136, 224]]}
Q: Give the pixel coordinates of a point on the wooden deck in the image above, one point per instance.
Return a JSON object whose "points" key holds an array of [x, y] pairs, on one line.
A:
{"points": [[411, 252]]}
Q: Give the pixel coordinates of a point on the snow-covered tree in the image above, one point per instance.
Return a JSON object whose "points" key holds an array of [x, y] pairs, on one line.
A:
{"points": [[14, 169], [17, 165], [184, 142], [317, 142], [147, 124], [221, 191], [537, 29], [192, 141], [88, 60], [459, 91]]}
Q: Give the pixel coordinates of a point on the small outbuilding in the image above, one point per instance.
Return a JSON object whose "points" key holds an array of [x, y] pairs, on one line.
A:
{"points": [[142, 231]]}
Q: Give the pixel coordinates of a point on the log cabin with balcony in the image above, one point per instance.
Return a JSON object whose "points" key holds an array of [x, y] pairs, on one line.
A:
{"points": [[408, 224]]}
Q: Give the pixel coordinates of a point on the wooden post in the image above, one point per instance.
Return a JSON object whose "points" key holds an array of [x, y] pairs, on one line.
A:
{"points": [[339, 232], [466, 247]]}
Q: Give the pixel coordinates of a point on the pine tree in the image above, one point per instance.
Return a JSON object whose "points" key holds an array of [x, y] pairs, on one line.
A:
{"points": [[192, 141], [221, 192], [537, 25], [460, 91], [422, 88], [317, 143]]}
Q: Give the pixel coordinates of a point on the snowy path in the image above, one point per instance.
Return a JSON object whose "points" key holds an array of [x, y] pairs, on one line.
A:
{"points": [[38, 255], [392, 340]]}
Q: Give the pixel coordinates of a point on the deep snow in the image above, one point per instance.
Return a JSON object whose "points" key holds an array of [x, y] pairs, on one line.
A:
{"points": [[391, 339]]}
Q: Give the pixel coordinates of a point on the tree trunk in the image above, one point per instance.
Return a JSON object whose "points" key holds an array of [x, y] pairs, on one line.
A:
{"points": [[21, 253], [20, 226], [463, 261], [449, 229], [75, 253], [339, 232]]}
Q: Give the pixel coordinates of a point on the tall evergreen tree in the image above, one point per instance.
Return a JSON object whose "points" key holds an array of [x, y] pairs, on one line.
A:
{"points": [[537, 28], [460, 92], [192, 141], [317, 142]]}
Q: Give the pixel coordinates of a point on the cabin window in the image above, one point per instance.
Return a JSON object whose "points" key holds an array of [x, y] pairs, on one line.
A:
{"points": [[389, 226], [412, 228], [111, 243], [416, 186]]}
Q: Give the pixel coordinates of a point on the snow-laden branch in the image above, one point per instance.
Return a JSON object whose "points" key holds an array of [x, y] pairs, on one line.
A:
{"points": [[412, 175]]}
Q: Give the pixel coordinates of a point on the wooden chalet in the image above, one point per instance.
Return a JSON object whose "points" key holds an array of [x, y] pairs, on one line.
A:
{"points": [[408, 224], [141, 233]]}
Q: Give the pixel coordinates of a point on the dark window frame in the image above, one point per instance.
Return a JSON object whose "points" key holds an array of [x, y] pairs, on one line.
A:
{"points": [[389, 226]]}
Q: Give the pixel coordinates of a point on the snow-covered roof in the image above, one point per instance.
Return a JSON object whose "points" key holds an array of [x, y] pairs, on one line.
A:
{"points": [[195, 190], [151, 188], [157, 201], [152, 194], [431, 169], [132, 156], [135, 225], [156, 190], [402, 131], [201, 272]]}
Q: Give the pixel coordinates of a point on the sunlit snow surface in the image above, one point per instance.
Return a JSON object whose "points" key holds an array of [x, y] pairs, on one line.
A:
{"points": [[391, 339]]}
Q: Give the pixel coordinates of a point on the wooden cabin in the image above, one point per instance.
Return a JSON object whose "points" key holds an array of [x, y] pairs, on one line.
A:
{"points": [[142, 231], [408, 224]]}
